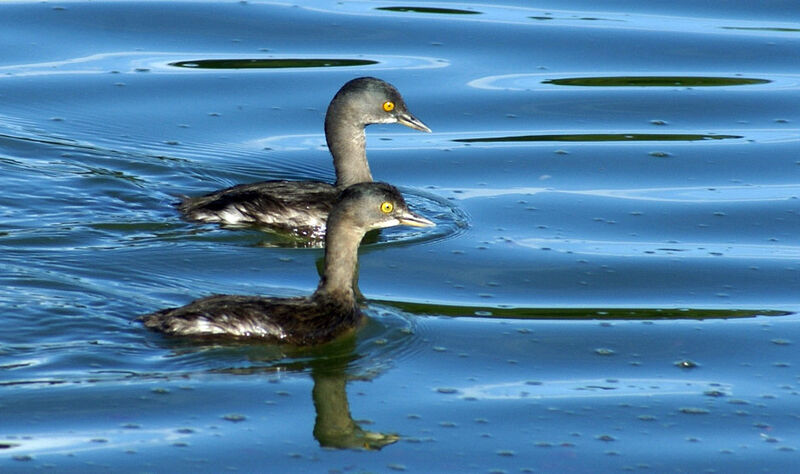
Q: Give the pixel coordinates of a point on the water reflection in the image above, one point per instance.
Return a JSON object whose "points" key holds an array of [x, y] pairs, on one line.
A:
{"points": [[507, 312], [765, 28], [655, 81], [441, 11], [582, 18], [600, 137], [270, 63], [334, 426], [544, 81]]}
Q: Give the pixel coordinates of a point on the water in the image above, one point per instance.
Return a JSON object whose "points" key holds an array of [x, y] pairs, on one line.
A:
{"points": [[613, 284]]}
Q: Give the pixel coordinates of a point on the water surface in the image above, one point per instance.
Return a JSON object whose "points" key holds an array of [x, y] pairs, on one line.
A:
{"points": [[613, 284]]}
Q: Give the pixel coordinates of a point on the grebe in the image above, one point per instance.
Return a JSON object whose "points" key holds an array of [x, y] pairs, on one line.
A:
{"points": [[330, 311], [302, 207]]}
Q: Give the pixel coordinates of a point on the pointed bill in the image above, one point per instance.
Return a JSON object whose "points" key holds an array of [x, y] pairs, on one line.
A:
{"points": [[414, 220], [410, 121]]}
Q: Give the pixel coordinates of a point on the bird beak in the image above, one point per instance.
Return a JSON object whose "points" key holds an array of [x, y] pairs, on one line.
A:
{"points": [[410, 121], [414, 220]]}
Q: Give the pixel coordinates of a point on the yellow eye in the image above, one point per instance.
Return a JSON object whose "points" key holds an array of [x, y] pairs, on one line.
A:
{"points": [[387, 207], [388, 106]]}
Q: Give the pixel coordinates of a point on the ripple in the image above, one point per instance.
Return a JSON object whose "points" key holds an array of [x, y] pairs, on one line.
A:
{"points": [[678, 194], [519, 15], [212, 62], [762, 28], [529, 138], [587, 388], [697, 194], [599, 137], [392, 335], [547, 17], [136, 62], [699, 250], [576, 313], [382, 140], [270, 63], [438, 11], [548, 81], [655, 81], [450, 221], [87, 442], [389, 336]]}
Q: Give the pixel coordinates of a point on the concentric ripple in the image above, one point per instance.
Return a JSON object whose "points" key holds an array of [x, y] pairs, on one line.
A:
{"points": [[172, 62], [633, 79], [450, 222]]}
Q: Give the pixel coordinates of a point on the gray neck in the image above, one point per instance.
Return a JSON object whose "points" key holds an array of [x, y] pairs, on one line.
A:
{"points": [[347, 143], [341, 259]]}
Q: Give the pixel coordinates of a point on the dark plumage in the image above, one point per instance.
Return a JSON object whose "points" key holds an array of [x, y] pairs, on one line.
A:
{"points": [[302, 207], [330, 311]]}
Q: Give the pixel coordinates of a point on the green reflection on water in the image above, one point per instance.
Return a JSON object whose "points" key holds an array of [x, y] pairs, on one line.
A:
{"points": [[578, 313], [441, 11], [599, 137], [655, 81], [780, 30], [585, 18], [270, 63]]}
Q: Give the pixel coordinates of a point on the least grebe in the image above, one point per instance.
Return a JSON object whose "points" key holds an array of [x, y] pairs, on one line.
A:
{"points": [[302, 207], [330, 311]]}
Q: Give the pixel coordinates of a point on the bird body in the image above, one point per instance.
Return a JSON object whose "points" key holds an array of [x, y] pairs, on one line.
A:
{"points": [[330, 311], [302, 207], [297, 207], [301, 321]]}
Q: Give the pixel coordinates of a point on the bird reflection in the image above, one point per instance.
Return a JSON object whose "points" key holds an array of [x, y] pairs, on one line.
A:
{"points": [[334, 426]]}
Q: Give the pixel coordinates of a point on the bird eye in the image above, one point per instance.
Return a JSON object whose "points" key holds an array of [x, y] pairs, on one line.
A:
{"points": [[387, 207], [388, 106]]}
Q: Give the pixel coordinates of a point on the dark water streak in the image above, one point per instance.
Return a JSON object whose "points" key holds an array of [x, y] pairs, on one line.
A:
{"points": [[270, 63]]}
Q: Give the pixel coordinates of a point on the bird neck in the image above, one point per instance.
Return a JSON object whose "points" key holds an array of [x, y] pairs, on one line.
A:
{"points": [[347, 143], [341, 260]]}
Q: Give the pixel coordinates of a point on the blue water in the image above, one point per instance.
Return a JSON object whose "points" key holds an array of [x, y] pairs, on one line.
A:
{"points": [[613, 283]]}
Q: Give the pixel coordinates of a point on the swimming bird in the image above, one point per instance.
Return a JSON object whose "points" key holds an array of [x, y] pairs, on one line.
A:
{"points": [[302, 207], [330, 311]]}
